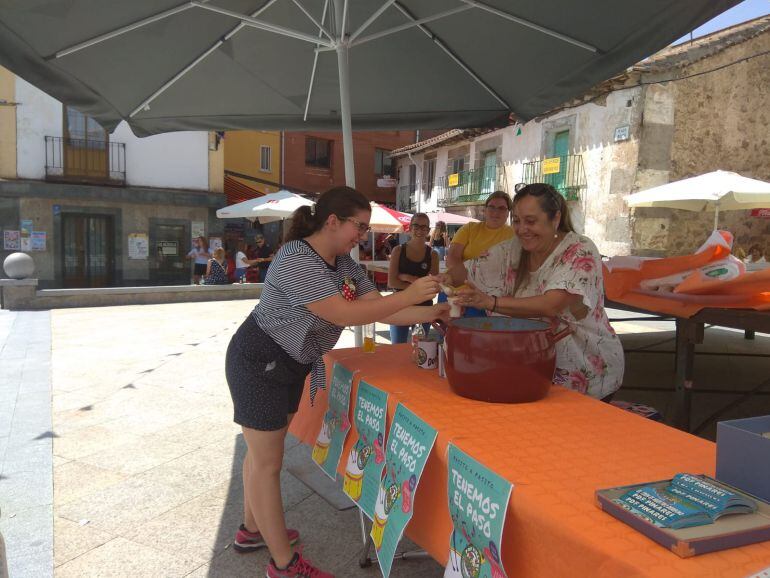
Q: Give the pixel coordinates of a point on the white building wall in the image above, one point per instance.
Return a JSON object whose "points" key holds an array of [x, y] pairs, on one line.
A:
{"points": [[37, 116], [175, 160]]}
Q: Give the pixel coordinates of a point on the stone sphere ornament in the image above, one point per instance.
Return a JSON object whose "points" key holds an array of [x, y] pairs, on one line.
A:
{"points": [[19, 266]]}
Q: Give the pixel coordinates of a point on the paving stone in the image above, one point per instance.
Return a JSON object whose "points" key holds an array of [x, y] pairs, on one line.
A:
{"points": [[28, 532], [136, 456], [120, 557], [73, 539], [26, 489], [76, 479], [89, 440]]}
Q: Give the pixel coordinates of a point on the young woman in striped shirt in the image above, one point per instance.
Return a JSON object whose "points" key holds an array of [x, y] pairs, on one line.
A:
{"points": [[312, 291]]}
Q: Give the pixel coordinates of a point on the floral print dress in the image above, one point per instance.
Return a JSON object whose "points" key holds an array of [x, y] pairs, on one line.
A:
{"points": [[590, 360]]}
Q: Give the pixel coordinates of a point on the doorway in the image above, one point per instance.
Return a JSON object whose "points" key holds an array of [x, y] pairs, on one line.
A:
{"points": [[560, 149], [171, 242], [88, 250], [489, 173]]}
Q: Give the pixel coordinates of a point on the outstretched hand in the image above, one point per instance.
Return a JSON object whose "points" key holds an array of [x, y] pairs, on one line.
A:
{"points": [[472, 296]]}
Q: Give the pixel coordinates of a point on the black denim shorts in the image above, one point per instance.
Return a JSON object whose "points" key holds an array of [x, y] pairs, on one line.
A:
{"points": [[265, 382]]}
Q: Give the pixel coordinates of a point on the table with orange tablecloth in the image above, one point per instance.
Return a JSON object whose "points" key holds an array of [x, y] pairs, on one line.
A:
{"points": [[556, 452]]}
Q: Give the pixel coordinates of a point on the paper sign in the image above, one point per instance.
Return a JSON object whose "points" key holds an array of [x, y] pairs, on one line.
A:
{"points": [[26, 227], [454, 179], [366, 460], [26, 245], [336, 425], [11, 240], [551, 166], [138, 246], [409, 444], [37, 240], [478, 502], [198, 229], [761, 213]]}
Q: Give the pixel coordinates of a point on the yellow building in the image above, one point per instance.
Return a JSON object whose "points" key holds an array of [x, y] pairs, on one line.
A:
{"points": [[253, 160]]}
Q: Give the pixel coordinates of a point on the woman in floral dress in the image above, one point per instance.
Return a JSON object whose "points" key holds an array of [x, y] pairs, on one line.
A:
{"points": [[550, 271]]}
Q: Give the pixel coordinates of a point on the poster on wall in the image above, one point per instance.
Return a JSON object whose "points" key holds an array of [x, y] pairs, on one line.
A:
{"points": [[138, 246], [26, 227], [11, 240], [327, 449], [37, 240], [215, 243], [198, 229], [26, 244], [478, 502], [409, 444], [366, 460]]}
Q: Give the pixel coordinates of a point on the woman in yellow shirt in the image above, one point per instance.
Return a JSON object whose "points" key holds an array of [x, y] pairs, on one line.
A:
{"points": [[474, 239]]}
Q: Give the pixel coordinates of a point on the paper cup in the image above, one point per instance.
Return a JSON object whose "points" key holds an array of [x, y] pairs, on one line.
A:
{"points": [[427, 354], [455, 310]]}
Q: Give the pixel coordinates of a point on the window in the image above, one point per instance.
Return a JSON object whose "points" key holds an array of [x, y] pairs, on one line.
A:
{"points": [[318, 152], [265, 158], [82, 131], [383, 164], [458, 165], [428, 176]]}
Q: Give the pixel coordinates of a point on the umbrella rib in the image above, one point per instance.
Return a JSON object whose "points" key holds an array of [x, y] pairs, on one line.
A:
{"points": [[372, 18], [122, 30], [412, 24], [440, 43], [254, 23], [528, 24], [315, 65], [195, 62], [321, 28]]}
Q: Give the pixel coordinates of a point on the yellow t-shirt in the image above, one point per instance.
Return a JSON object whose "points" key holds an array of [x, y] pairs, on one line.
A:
{"points": [[477, 238]]}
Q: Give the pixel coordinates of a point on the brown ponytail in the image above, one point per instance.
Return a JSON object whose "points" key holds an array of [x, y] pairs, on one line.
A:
{"points": [[551, 202], [340, 201]]}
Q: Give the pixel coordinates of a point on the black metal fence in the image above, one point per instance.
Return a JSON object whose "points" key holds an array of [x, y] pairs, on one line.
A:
{"points": [[82, 160], [470, 187]]}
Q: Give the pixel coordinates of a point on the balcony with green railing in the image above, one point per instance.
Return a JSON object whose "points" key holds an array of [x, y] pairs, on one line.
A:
{"points": [[470, 187], [564, 173]]}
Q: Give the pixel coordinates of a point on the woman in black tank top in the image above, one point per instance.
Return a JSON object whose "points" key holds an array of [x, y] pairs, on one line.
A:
{"points": [[408, 262]]}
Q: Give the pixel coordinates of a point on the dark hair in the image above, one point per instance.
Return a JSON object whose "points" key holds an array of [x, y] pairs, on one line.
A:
{"points": [[500, 195], [340, 201], [551, 202], [419, 216]]}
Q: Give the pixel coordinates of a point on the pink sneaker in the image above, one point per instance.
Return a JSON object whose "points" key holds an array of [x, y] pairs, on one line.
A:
{"points": [[246, 541], [298, 568]]}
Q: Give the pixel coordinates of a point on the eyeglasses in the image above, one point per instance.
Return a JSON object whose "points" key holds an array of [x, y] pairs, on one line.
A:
{"points": [[362, 227], [420, 227]]}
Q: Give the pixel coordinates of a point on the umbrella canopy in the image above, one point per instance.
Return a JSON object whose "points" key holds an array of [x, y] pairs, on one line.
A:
{"points": [[449, 218], [268, 208], [166, 65], [715, 191], [385, 220]]}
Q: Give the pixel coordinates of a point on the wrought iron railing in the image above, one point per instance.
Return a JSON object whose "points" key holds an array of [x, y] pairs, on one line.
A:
{"points": [[82, 160], [470, 187], [407, 198], [564, 173]]}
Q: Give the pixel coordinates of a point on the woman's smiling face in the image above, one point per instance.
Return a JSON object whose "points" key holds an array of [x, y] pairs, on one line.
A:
{"points": [[533, 227]]}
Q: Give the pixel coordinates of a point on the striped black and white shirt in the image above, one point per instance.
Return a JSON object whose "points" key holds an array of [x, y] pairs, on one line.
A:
{"points": [[298, 276]]}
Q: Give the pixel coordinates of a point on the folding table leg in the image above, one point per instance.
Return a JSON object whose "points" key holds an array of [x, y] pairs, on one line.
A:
{"points": [[365, 559], [688, 333]]}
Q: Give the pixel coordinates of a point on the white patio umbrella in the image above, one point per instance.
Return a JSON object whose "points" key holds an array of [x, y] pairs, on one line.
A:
{"points": [[449, 218], [269, 208], [715, 191]]}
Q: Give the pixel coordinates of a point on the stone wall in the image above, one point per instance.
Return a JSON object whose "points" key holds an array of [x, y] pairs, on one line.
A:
{"points": [[719, 119]]}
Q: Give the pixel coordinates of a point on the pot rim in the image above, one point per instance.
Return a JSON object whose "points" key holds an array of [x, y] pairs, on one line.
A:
{"points": [[458, 323]]}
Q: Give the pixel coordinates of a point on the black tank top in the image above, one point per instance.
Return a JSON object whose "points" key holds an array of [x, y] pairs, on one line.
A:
{"points": [[418, 269], [438, 241]]}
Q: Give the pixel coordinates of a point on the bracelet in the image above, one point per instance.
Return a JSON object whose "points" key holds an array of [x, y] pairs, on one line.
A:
{"points": [[494, 306]]}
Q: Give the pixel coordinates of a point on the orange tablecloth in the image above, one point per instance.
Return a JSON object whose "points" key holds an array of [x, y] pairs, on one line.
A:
{"points": [[557, 452]]}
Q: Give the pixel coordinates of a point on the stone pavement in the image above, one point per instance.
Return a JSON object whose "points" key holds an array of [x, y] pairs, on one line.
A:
{"points": [[128, 460]]}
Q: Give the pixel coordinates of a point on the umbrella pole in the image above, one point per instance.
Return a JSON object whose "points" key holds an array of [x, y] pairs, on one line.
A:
{"points": [[716, 217], [347, 124]]}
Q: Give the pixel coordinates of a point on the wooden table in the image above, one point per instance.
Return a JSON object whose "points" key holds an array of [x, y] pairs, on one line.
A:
{"points": [[556, 452]]}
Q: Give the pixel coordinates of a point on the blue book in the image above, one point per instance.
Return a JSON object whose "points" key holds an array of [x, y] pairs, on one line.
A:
{"points": [[688, 500]]}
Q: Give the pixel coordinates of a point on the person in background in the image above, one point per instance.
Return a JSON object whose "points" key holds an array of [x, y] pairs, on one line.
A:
{"points": [[439, 239], [216, 270], [200, 254], [263, 256], [474, 239], [755, 260], [408, 263], [313, 291], [549, 271], [242, 262]]}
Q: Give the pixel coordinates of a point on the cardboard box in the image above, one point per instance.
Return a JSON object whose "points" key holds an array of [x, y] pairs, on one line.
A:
{"points": [[743, 455]]}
